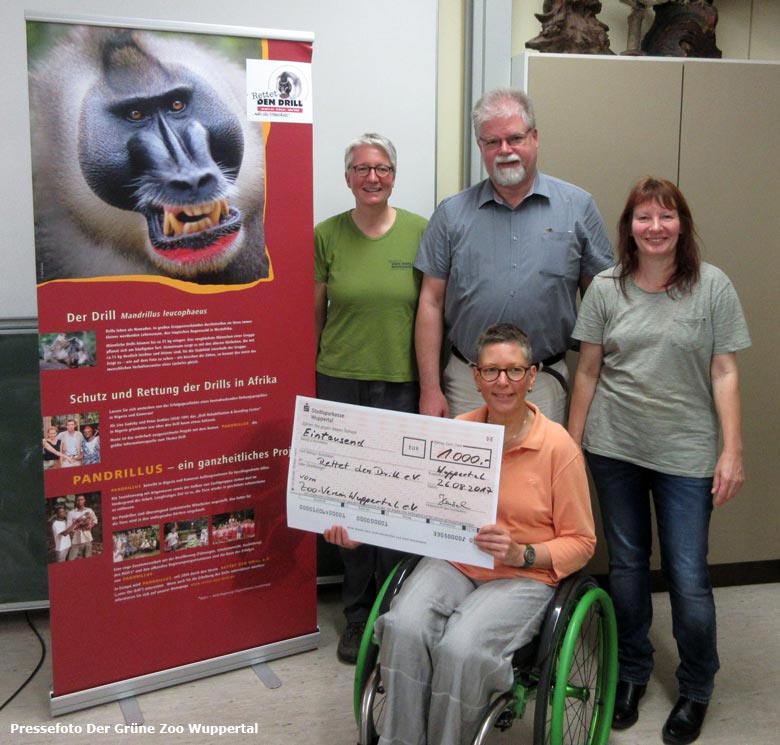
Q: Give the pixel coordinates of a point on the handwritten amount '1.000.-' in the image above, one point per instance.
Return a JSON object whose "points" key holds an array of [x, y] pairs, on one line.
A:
{"points": [[455, 456]]}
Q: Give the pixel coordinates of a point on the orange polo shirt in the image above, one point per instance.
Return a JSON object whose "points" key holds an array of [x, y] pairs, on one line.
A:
{"points": [[543, 497]]}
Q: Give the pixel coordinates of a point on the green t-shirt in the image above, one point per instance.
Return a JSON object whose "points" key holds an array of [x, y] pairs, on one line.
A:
{"points": [[653, 404], [372, 298]]}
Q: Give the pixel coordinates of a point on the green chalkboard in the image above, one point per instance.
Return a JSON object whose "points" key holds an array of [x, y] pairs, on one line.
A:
{"points": [[23, 568]]}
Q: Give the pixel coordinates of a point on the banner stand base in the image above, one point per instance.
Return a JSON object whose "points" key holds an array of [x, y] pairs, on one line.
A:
{"points": [[131, 711], [268, 677], [59, 705]]}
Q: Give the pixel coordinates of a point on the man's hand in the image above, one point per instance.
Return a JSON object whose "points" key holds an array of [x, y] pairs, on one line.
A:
{"points": [[433, 403]]}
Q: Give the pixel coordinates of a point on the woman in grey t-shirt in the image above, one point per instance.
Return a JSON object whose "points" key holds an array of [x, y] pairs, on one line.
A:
{"points": [[656, 381]]}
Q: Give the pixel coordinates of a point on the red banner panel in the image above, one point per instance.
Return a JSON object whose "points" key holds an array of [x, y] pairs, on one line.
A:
{"points": [[173, 228]]}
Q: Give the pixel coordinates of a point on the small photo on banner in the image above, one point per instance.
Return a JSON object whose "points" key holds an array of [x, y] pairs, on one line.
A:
{"points": [[136, 543], [68, 351], [184, 534], [71, 440], [75, 527]]}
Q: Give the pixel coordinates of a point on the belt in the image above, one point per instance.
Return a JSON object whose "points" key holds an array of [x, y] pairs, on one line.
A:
{"points": [[457, 353], [547, 368], [550, 360], [543, 366]]}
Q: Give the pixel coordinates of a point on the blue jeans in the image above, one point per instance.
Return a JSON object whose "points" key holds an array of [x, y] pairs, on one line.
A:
{"points": [[683, 506]]}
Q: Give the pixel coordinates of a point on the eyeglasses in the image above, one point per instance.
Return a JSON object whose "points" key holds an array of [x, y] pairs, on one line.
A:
{"points": [[380, 171], [494, 143], [492, 374]]}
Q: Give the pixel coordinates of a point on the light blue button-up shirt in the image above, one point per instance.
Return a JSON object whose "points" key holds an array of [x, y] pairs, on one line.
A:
{"points": [[521, 265]]}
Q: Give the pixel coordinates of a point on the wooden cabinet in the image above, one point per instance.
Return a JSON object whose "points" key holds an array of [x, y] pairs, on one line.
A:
{"points": [[712, 127]]}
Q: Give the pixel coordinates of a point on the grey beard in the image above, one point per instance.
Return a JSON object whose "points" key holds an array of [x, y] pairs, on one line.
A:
{"points": [[509, 176]]}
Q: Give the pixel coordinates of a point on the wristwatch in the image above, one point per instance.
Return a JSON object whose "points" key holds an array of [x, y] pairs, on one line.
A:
{"points": [[529, 556]]}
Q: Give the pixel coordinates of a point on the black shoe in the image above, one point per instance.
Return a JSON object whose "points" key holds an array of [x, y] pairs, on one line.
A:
{"points": [[684, 723], [627, 704], [349, 644]]}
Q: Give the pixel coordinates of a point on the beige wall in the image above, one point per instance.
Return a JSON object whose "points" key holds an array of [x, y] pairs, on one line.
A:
{"points": [[747, 29], [449, 121], [449, 113]]}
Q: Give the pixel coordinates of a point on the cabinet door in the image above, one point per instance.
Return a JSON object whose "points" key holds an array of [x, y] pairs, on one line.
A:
{"points": [[605, 122], [730, 173]]}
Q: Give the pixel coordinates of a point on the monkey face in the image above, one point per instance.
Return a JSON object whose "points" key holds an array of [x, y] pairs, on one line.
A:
{"points": [[143, 161], [163, 143]]}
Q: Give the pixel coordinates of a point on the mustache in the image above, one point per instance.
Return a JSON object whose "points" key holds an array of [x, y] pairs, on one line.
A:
{"points": [[513, 158]]}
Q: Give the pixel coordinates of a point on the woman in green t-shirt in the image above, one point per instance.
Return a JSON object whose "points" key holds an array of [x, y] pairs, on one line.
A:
{"points": [[366, 291]]}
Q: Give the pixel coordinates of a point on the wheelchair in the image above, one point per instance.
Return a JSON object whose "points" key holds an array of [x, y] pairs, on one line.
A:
{"points": [[571, 667]]}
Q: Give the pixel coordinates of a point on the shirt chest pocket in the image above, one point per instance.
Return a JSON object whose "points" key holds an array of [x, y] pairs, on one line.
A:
{"points": [[560, 255], [691, 332]]}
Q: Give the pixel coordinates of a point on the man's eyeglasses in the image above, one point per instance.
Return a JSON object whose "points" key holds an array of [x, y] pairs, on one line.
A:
{"points": [[494, 143], [492, 374], [380, 171]]}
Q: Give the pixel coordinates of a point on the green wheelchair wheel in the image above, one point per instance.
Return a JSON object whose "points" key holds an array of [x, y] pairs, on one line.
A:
{"points": [[368, 694], [575, 698]]}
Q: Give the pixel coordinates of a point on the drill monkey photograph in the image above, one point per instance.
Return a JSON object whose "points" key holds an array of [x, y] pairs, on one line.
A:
{"points": [[143, 161]]}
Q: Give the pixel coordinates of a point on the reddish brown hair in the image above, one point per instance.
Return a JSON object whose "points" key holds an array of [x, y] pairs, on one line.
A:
{"points": [[687, 257]]}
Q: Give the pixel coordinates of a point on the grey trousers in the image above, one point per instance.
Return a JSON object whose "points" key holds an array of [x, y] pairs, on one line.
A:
{"points": [[462, 394], [446, 648]]}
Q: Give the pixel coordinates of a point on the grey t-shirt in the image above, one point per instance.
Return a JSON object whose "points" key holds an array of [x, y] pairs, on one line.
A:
{"points": [[653, 404], [521, 265]]}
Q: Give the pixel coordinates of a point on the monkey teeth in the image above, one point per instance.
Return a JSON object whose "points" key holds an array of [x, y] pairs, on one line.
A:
{"points": [[193, 218]]}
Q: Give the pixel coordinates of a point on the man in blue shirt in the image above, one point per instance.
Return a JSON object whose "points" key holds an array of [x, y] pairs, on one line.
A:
{"points": [[514, 248]]}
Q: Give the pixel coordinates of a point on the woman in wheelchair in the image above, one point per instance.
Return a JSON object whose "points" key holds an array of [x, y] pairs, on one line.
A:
{"points": [[446, 644]]}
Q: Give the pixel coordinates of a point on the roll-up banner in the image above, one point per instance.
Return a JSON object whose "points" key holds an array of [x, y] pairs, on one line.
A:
{"points": [[172, 181]]}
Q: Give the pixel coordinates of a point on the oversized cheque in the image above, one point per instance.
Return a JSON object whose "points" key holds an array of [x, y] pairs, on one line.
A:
{"points": [[414, 483]]}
